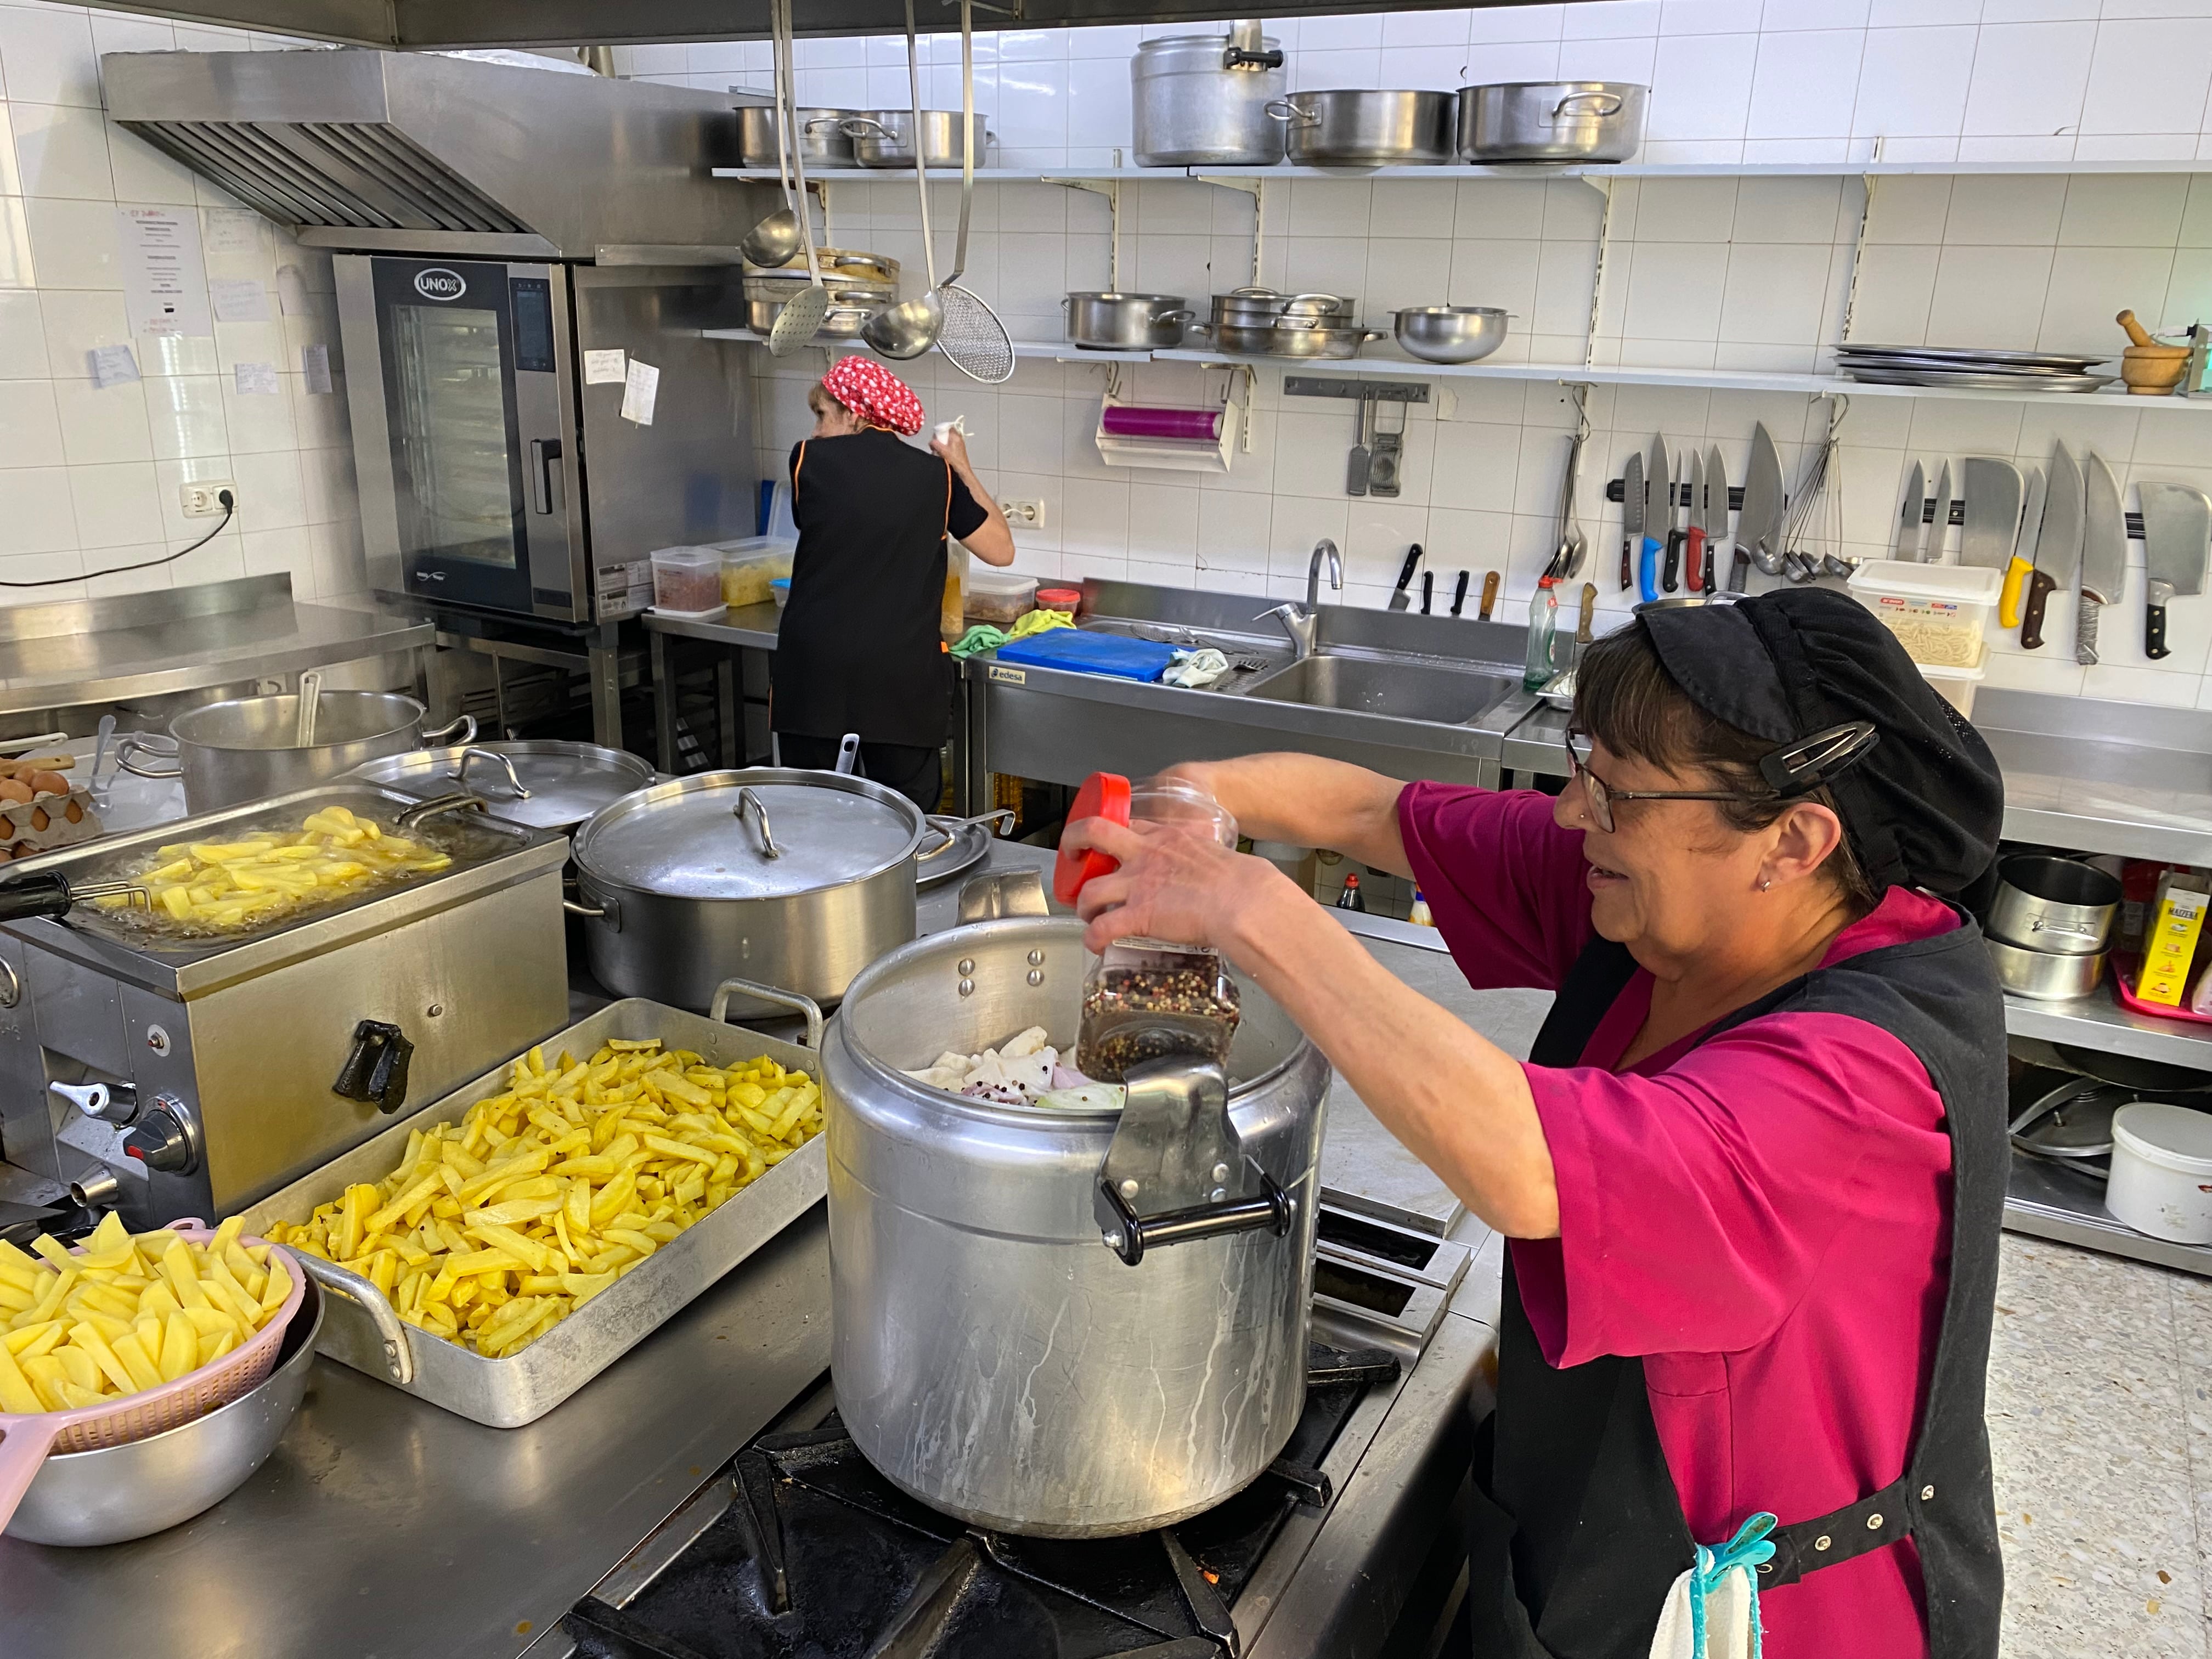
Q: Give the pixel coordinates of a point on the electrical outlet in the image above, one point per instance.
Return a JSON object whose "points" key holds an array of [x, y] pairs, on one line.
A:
{"points": [[204, 501], [1025, 515]]}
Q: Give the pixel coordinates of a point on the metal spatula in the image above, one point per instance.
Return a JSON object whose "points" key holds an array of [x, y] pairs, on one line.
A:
{"points": [[973, 338], [802, 315]]}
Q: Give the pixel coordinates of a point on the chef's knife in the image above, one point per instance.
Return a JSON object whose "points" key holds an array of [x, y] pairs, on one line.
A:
{"points": [[1716, 513], [2177, 536], [1992, 488], [2103, 555], [2023, 548], [1756, 532], [1429, 592], [1459, 592], [1939, 527], [1489, 596], [1631, 519], [2058, 549], [1583, 624], [1909, 516], [1690, 543], [1398, 599], [1658, 518]]}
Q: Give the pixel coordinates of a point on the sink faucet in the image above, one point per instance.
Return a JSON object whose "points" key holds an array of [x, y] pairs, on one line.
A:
{"points": [[1303, 621]]}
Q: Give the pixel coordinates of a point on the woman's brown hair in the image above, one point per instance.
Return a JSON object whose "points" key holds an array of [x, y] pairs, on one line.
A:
{"points": [[1626, 700]]}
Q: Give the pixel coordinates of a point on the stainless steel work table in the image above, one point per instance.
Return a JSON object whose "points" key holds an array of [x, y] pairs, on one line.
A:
{"points": [[749, 628], [78, 652]]}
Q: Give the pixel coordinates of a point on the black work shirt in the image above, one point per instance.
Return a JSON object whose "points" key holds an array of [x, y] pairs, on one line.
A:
{"points": [[858, 648]]}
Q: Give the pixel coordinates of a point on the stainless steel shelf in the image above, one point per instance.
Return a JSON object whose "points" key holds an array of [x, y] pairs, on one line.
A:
{"points": [[1517, 170], [2098, 1021], [2046, 1202]]}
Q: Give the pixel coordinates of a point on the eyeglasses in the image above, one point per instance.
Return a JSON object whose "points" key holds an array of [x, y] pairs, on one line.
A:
{"points": [[1796, 769], [1600, 795]]}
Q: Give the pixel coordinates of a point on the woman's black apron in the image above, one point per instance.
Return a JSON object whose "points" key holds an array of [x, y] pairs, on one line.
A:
{"points": [[1579, 1534], [857, 646]]}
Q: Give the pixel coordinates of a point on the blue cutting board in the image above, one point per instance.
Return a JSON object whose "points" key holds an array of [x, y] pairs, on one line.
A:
{"points": [[1078, 652]]}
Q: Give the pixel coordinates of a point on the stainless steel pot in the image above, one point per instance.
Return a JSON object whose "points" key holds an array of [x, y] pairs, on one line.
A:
{"points": [[244, 749], [885, 137], [1260, 307], [791, 878], [991, 1355], [112, 1494], [1365, 129], [2044, 975], [1201, 100], [778, 290], [1126, 322], [1290, 338], [546, 783], [2053, 904], [822, 139], [1551, 120], [1449, 334], [839, 322]]}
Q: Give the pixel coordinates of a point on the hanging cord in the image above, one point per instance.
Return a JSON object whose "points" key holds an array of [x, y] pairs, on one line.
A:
{"points": [[229, 507]]}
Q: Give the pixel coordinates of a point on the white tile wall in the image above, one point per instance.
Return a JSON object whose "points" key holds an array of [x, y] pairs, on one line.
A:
{"points": [[89, 477]]}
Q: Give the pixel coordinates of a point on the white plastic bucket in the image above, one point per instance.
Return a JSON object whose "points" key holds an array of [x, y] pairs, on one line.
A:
{"points": [[2161, 1182]]}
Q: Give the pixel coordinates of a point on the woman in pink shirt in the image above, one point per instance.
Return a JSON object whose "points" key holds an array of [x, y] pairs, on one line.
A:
{"points": [[1753, 1168]]}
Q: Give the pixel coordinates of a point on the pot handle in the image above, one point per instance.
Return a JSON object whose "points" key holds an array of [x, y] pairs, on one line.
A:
{"points": [[1613, 101], [1283, 110], [863, 126], [1002, 823], [605, 910], [746, 798], [334, 1280], [438, 806], [1176, 1154], [1183, 316], [797, 1001], [822, 121], [460, 774], [134, 743]]}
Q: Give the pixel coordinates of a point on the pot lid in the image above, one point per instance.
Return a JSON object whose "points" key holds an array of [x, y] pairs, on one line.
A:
{"points": [[2071, 1119], [546, 785], [708, 836]]}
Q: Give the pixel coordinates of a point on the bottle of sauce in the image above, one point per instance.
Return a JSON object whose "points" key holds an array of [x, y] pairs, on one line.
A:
{"points": [[1350, 898]]}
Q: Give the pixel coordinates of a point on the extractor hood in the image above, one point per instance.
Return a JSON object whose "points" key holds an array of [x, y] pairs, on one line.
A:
{"points": [[417, 153]]}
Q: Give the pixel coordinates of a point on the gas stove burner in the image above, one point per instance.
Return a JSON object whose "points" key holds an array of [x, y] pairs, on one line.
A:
{"points": [[818, 1555]]}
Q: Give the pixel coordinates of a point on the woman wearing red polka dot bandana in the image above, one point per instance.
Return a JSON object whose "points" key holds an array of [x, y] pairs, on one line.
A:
{"points": [[858, 648]]}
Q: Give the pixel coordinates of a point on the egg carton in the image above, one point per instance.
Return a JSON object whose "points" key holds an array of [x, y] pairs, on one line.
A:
{"points": [[45, 822]]}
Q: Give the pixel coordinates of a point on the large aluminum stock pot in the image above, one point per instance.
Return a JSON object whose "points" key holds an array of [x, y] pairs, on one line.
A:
{"points": [[790, 878], [247, 749], [1005, 1349]]}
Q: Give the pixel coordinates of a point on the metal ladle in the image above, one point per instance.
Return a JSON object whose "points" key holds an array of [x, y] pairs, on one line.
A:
{"points": [[910, 328]]}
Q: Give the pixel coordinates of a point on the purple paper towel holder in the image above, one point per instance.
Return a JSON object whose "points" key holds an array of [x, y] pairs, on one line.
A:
{"points": [[1194, 453]]}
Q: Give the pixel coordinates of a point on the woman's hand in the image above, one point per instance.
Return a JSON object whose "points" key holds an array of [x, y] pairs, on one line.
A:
{"points": [[953, 447], [1173, 885]]}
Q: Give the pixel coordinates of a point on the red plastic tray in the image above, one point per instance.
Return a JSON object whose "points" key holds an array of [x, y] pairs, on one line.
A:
{"points": [[2123, 975]]}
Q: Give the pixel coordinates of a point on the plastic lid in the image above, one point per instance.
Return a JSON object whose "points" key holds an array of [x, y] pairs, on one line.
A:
{"points": [[1103, 794], [1967, 584], [2176, 1138], [1063, 599], [982, 578], [687, 556]]}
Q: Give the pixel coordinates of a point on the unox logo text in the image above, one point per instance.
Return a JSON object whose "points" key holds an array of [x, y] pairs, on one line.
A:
{"points": [[440, 284]]}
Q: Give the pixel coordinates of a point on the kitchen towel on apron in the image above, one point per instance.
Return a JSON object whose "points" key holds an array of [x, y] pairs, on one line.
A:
{"points": [[1712, 1611]]}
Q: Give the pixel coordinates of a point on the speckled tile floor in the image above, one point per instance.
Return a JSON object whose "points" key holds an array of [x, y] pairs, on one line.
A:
{"points": [[2100, 1422]]}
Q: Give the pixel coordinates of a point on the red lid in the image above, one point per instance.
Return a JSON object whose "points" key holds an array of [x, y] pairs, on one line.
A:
{"points": [[1103, 794], [1061, 598]]}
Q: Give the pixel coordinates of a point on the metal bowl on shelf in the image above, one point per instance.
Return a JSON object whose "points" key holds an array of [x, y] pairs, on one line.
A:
{"points": [[2044, 975], [1449, 334]]}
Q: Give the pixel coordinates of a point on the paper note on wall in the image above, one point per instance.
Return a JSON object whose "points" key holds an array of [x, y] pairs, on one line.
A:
{"points": [[640, 390], [605, 367], [164, 283], [315, 360], [232, 230], [292, 291], [112, 365], [238, 298], [256, 380]]}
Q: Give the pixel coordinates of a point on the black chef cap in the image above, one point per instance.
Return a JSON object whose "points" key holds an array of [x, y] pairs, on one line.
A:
{"points": [[1924, 806]]}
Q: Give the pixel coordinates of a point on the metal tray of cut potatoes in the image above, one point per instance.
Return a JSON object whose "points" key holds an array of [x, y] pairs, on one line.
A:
{"points": [[361, 1330]]}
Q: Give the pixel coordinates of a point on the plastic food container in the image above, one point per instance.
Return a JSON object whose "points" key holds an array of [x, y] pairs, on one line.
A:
{"points": [[1957, 686], [1069, 599], [686, 580], [2162, 1181], [997, 597], [780, 589], [1148, 998], [1938, 611], [749, 565]]}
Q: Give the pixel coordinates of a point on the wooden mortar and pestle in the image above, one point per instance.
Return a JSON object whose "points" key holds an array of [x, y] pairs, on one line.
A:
{"points": [[2151, 370]]}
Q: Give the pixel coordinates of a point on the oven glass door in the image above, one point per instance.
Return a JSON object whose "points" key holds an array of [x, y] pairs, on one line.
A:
{"points": [[452, 335]]}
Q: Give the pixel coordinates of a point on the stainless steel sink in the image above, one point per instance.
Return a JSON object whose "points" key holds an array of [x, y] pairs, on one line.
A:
{"points": [[1397, 689]]}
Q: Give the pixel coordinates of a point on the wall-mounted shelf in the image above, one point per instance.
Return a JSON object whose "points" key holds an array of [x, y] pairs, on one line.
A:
{"points": [[1060, 350], [1526, 170], [2098, 1021]]}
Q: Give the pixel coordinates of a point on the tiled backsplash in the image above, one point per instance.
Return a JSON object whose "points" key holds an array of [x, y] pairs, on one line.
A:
{"points": [[90, 476]]}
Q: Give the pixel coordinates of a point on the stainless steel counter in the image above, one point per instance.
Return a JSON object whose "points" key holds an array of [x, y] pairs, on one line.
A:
{"points": [[77, 652], [383, 1526], [749, 628]]}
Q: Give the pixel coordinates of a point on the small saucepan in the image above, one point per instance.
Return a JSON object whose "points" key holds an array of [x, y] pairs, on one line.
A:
{"points": [[2057, 906], [2044, 975]]}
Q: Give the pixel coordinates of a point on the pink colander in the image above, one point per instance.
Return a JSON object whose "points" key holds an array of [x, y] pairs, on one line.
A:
{"points": [[27, 1438]]}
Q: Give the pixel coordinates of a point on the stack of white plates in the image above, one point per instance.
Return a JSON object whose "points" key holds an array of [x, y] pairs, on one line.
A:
{"points": [[1970, 368]]}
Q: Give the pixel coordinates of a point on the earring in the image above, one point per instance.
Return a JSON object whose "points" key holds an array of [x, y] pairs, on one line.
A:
{"points": [[1768, 882]]}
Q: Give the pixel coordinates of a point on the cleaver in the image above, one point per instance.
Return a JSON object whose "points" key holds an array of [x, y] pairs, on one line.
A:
{"points": [[2177, 537], [1993, 499]]}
